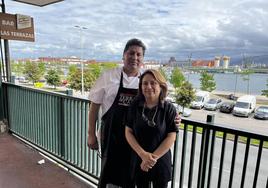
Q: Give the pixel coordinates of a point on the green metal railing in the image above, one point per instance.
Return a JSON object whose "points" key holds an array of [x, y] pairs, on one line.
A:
{"points": [[209, 155], [54, 122], [204, 155]]}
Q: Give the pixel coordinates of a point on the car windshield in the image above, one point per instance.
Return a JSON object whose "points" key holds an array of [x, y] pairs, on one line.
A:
{"points": [[212, 101], [242, 105], [199, 98], [262, 109]]}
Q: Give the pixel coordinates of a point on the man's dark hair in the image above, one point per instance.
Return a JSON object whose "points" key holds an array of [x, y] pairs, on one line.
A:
{"points": [[135, 42]]}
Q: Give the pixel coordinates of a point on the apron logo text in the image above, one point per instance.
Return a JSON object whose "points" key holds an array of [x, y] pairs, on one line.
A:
{"points": [[125, 99]]}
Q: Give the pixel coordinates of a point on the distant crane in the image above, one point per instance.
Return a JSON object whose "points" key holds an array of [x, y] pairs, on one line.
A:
{"points": [[190, 63], [246, 63], [190, 59]]}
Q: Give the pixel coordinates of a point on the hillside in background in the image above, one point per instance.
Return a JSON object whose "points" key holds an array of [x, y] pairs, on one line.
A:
{"points": [[262, 59]]}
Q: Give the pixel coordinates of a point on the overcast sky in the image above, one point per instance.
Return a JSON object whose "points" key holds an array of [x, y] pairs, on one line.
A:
{"points": [[203, 28]]}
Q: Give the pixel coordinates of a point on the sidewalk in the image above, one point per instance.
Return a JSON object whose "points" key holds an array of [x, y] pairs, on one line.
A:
{"points": [[19, 168]]}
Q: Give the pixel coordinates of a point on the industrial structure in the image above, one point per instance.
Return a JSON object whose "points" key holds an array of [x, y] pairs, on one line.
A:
{"points": [[213, 63]]}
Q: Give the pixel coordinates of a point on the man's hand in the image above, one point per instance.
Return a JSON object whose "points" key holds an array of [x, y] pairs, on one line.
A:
{"points": [[92, 142], [177, 120]]}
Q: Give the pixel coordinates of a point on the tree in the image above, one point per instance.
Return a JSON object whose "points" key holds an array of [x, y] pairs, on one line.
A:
{"points": [[177, 78], [17, 68], [42, 68], [53, 78], [89, 79], [74, 79], [91, 73], [108, 65], [75, 82], [33, 72], [207, 82], [95, 69], [265, 92], [185, 94], [72, 69]]}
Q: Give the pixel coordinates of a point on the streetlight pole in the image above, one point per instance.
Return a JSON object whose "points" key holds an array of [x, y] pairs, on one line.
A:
{"points": [[7, 72], [82, 63]]}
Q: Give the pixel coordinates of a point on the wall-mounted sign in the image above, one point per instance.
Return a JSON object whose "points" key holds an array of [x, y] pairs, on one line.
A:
{"points": [[16, 27], [23, 21]]}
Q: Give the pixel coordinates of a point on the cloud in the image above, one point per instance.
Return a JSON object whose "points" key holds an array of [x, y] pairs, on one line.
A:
{"points": [[169, 28]]}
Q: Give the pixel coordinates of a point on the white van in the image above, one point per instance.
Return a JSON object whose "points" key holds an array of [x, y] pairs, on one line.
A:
{"points": [[201, 98], [244, 105]]}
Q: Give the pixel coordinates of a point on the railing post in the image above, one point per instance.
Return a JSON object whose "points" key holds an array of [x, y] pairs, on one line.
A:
{"points": [[183, 155], [12, 79], [2, 125], [210, 118], [203, 159], [6, 58], [1, 98], [175, 151], [62, 129], [205, 153], [69, 92]]}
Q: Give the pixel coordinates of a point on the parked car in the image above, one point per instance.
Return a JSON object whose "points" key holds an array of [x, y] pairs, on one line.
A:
{"points": [[186, 112], [201, 98], [232, 97], [21, 79], [245, 105], [227, 107], [261, 112], [213, 104], [170, 99]]}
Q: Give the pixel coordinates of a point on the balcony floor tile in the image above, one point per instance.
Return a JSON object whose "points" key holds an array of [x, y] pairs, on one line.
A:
{"points": [[19, 168]]}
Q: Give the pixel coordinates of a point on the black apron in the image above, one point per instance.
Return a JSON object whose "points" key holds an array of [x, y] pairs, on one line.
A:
{"points": [[115, 150]]}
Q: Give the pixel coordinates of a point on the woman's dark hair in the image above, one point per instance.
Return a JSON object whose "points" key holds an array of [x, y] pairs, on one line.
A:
{"points": [[135, 42], [161, 81]]}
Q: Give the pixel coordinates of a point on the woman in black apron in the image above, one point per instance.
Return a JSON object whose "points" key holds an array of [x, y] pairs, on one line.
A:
{"points": [[115, 150]]}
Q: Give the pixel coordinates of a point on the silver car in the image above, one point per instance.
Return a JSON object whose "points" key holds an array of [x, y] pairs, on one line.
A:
{"points": [[213, 104], [186, 111], [261, 112]]}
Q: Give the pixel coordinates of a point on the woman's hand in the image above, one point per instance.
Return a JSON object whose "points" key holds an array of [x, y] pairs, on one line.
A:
{"points": [[144, 167], [148, 161]]}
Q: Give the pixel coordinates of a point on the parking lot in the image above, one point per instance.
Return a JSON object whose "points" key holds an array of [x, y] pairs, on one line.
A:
{"points": [[250, 124]]}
